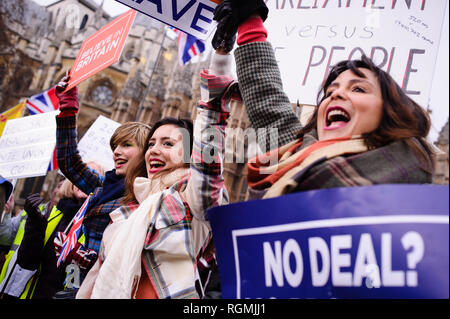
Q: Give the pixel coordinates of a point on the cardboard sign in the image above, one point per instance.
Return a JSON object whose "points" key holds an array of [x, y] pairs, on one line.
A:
{"points": [[310, 36], [194, 17], [384, 241], [94, 145], [101, 49], [27, 145]]}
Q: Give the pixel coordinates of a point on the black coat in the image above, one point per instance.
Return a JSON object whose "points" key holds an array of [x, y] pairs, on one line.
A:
{"points": [[51, 279]]}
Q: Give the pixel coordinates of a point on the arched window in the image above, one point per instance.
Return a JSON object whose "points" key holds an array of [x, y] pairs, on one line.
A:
{"points": [[50, 18], [84, 22]]}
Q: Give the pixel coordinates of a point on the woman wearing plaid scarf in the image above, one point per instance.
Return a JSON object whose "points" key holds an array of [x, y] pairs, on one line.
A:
{"points": [[151, 253], [365, 130]]}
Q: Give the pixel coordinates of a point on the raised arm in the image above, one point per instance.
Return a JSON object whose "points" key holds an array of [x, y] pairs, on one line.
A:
{"points": [[206, 186], [67, 154], [268, 107]]}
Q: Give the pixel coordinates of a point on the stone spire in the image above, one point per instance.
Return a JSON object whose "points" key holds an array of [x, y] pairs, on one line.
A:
{"points": [[443, 135], [96, 21]]}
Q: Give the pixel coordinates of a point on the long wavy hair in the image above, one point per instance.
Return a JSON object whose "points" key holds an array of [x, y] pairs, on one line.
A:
{"points": [[402, 118], [137, 168]]}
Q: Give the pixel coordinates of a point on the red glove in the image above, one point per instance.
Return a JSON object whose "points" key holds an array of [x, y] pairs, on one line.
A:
{"points": [[68, 101]]}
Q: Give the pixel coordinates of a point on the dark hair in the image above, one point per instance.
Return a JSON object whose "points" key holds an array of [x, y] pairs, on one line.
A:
{"points": [[183, 123], [137, 168], [402, 118]]}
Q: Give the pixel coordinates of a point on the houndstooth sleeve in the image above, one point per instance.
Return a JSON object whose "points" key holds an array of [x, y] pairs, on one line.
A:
{"points": [[260, 84]]}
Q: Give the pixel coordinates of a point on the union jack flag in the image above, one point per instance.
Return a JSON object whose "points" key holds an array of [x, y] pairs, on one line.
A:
{"points": [[74, 232], [43, 102], [53, 162], [188, 46]]}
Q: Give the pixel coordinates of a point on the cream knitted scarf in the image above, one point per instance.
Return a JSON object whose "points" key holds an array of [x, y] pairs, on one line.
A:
{"points": [[120, 272]]}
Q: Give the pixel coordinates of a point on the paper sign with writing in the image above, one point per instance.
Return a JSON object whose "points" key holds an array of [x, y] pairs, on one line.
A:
{"points": [[310, 36], [27, 145], [94, 145], [101, 49], [194, 17], [384, 241]]}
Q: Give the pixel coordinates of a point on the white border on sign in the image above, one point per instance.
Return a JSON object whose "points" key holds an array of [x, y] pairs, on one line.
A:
{"points": [[128, 16], [337, 222]]}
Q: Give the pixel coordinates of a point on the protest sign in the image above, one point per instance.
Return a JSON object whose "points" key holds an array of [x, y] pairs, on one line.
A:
{"points": [[401, 36], [27, 145], [195, 17], [383, 241], [101, 49], [94, 145]]}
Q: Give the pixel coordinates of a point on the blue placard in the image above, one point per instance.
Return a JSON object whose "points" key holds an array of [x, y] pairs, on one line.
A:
{"points": [[384, 241]]}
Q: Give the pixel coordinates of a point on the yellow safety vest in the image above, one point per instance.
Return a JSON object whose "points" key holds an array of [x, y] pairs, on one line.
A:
{"points": [[15, 245], [53, 221]]}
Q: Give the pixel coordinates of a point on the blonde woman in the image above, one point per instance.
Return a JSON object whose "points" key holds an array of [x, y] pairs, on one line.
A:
{"points": [[127, 142]]}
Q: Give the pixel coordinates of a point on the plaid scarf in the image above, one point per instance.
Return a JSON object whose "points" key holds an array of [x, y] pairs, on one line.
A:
{"points": [[113, 188], [340, 164], [289, 159]]}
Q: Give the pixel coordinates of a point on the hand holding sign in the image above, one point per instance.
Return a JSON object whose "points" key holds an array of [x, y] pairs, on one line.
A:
{"points": [[62, 84], [230, 14], [225, 35], [68, 100]]}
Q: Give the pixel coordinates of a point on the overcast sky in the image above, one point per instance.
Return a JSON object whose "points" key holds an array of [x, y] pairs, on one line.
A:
{"points": [[439, 98]]}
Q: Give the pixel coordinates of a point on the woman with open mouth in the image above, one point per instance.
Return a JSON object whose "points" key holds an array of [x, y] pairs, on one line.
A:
{"points": [[364, 131], [127, 142], [152, 252]]}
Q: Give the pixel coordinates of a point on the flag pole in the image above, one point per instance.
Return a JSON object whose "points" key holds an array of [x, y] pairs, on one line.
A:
{"points": [[147, 89]]}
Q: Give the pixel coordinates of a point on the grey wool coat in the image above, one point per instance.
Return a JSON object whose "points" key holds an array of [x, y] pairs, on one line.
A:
{"points": [[268, 107]]}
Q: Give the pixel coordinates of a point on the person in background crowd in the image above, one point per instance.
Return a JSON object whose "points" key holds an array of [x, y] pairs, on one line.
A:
{"points": [[9, 206], [127, 141], [10, 225], [6, 197], [4, 231], [5, 191], [33, 274], [7, 213], [151, 253], [365, 130], [54, 197]]}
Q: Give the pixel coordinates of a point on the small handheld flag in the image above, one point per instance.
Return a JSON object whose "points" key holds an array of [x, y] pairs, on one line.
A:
{"points": [[74, 232]]}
